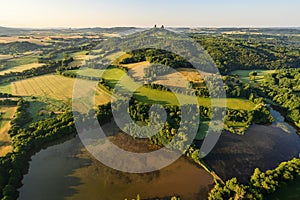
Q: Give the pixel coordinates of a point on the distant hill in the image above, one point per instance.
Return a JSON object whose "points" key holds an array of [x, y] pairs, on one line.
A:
{"points": [[18, 47], [4, 31]]}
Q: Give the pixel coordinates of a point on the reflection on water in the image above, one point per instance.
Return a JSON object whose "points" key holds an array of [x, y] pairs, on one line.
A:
{"points": [[67, 171], [280, 123], [262, 146]]}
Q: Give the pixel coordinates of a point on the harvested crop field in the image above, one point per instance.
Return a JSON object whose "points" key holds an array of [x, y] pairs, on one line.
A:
{"points": [[54, 86]]}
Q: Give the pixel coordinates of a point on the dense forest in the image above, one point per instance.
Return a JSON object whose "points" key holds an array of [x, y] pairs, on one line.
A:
{"points": [[246, 53], [283, 88]]}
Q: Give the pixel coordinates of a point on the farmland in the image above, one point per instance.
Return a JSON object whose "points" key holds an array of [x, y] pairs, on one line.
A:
{"points": [[113, 75], [40, 40], [21, 68], [53, 86], [21, 63], [6, 114], [46, 94]]}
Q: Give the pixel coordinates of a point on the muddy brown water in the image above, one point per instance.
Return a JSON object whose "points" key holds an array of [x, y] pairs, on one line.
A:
{"points": [[67, 171]]}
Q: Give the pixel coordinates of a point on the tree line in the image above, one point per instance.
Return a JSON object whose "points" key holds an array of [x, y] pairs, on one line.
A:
{"points": [[283, 88], [27, 139], [260, 185]]}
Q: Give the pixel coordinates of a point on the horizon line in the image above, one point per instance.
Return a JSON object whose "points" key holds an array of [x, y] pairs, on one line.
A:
{"points": [[189, 27]]}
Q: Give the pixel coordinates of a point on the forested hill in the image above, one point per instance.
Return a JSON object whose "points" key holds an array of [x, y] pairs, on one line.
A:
{"points": [[251, 52], [229, 51]]}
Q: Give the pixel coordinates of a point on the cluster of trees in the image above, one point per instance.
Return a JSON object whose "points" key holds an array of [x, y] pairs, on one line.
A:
{"points": [[156, 70], [8, 102], [282, 87], [157, 87], [261, 184], [25, 141], [231, 53], [5, 95], [157, 56], [21, 117], [74, 75], [233, 87]]}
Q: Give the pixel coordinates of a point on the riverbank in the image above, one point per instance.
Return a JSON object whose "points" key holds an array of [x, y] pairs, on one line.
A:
{"points": [[72, 173]]}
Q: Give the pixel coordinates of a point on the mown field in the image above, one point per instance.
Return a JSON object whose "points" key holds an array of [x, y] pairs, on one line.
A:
{"points": [[6, 115], [53, 86], [244, 75]]}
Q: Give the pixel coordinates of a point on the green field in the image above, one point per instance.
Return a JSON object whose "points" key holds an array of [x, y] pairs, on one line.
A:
{"points": [[244, 75], [113, 75]]}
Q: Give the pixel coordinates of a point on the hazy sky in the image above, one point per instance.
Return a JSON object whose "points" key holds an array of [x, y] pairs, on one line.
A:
{"points": [[145, 13]]}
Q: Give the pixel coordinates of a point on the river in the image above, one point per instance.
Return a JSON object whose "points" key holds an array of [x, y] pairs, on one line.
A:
{"points": [[261, 147], [67, 171]]}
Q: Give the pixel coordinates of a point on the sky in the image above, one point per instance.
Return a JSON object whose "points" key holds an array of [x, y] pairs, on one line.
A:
{"points": [[146, 13]]}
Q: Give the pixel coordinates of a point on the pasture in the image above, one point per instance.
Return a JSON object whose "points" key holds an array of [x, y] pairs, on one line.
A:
{"points": [[6, 115]]}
